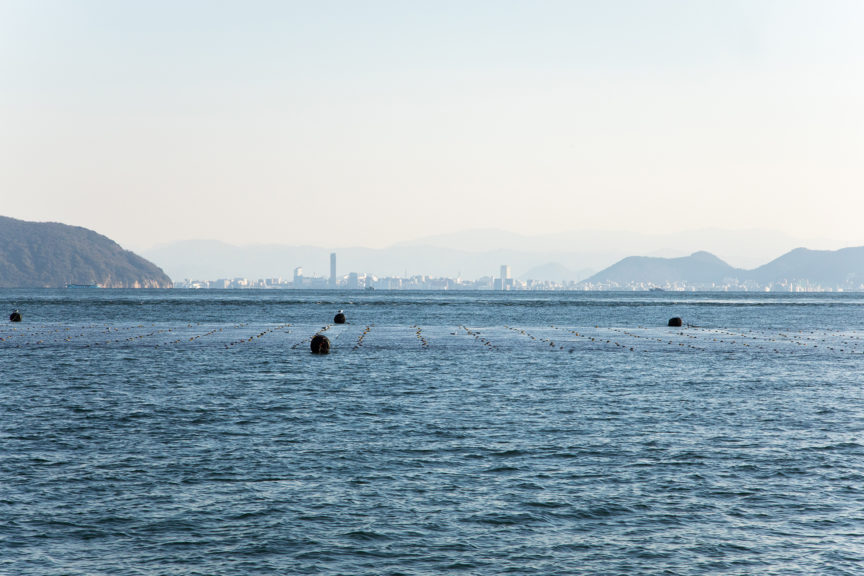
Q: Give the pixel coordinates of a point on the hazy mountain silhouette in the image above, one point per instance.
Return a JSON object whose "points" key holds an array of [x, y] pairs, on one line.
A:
{"points": [[210, 259], [698, 268], [829, 269], [554, 272], [470, 254], [598, 249], [843, 268], [478, 253], [480, 240], [49, 254]]}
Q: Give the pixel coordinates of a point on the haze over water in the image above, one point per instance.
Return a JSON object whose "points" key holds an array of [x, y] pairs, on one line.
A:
{"points": [[472, 433], [371, 123]]}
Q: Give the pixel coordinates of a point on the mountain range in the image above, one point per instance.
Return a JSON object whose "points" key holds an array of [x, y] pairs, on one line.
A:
{"points": [[210, 259], [52, 255], [568, 256], [561, 257], [813, 269], [698, 268]]}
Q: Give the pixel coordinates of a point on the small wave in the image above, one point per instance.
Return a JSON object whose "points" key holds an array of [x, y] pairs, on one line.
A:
{"points": [[505, 519], [501, 469], [834, 447], [510, 453], [366, 535], [600, 512], [545, 504]]}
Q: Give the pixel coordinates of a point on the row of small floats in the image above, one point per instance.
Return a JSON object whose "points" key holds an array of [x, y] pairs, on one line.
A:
{"points": [[695, 338], [339, 318], [681, 336]]}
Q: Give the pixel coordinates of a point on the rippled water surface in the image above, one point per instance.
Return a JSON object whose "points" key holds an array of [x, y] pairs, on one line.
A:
{"points": [[184, 432]]}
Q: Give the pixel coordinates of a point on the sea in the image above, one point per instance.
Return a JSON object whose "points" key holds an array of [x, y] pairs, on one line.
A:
{"points": [[184, 432]]}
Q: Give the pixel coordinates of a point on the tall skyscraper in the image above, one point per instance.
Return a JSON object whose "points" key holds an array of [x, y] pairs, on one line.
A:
{"points": [[505, 277], [333, 270], [298, 277]]}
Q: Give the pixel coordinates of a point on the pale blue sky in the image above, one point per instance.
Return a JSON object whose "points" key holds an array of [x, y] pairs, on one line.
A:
{"points": [[366, 123]]}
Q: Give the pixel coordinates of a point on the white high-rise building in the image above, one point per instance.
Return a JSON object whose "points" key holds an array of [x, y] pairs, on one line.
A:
{"points": [[506, 281], [333, 270], [298, 277]]}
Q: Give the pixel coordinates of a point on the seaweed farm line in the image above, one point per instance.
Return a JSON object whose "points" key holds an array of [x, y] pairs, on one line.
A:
{"points": [[169, 432], [351, 338]]}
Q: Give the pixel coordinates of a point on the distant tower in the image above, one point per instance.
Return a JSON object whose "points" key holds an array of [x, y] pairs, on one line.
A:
{"points": [[505, 277], [298, 277], [333, 270]]}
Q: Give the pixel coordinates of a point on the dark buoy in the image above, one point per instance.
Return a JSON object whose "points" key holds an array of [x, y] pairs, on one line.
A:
{"points": [[676, 321], [320, 344], [339, 318], [15, 316]]}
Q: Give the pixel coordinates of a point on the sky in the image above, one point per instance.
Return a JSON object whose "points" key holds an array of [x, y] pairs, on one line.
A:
{"points": [[365, 123]]}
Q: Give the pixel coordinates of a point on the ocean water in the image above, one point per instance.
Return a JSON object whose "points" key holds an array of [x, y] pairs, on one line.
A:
{"points": [[193, 432]]}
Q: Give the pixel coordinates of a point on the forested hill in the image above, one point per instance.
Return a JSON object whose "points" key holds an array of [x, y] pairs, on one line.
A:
{"points": [[52, 255]]}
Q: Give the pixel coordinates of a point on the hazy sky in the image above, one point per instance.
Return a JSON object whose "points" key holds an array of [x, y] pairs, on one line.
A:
{"points": [[341, 123]]}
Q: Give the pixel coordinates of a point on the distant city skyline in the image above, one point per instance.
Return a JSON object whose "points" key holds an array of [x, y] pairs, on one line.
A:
{"points": [[473, 254], [800, 270], [340, 123]]}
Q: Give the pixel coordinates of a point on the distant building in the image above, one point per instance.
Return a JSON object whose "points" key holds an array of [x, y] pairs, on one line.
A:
{"points": [[353, 281], [333, 270], [298, 277], [506, 282], [314, 282]]}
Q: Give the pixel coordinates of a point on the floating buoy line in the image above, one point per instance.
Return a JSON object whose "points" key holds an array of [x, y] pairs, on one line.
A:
{"points": [[419, 333], [363, 334], [479, 338], [541, 339], [552, 337], [252, 338]]}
